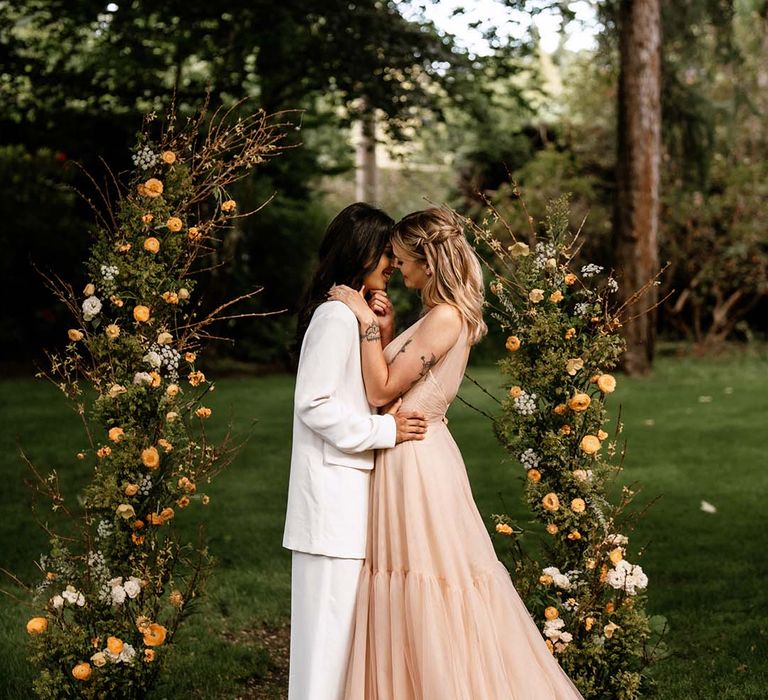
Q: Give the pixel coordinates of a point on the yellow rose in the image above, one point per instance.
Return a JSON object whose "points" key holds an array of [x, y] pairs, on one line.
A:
{"points": [[152, 188], [170, 297], [103, 452], [190, 356], [550, 646], [545, 579], [579, 402], [183, 294], [147, 218], [193, 233], [552, 529], [164, 338], [174, 224], [574, 535], [570, 333], [82, 671], [536, 295], [196, 378], [116, 434], [565, 430], [589, 623], [229, 205], [205, 500], [573, 365], [152, 245], [99, 659], [115, 645], [89, 290], [560, 409], [601, 435], [74, 335], [156, 379], [551, 502], [116, 390], [609, 629], [578, 505], [125, 511], [137, 539], [149, 655], [591, 563], [503, 529], [171, 416], [150, 457], [169, 157], [172, 390], [116, 301], [112, 331], [154, 635], [606, 383], [556, 296], [176, 599], [141, 313], [131, 489], [155, 519], [183, 502], [534, 475], [203, 412], [616, 555], [515, 391], [37, 625], [142, 623], [167, 447], [610, 607], [570, 278], [167, 514], [590, 444], [187, 485], [513, 343], [81, 455], [551, 613]]}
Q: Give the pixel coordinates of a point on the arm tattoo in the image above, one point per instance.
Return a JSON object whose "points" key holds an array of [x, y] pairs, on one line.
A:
{"points": [[426, 365], [371, 333], [402, 349]]}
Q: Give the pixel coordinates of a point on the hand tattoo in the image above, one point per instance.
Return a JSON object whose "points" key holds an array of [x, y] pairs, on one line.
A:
{"points": [[371, 333]]}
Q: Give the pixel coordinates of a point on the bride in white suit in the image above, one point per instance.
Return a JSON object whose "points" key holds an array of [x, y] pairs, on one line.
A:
{"points": [[335, 432]]}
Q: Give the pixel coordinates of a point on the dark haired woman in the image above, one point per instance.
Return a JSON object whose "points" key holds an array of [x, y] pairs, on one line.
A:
{"points": [[335, 432]]}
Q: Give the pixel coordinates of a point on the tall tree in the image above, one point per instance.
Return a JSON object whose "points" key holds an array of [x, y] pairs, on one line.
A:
{"points": [[636, 219]]}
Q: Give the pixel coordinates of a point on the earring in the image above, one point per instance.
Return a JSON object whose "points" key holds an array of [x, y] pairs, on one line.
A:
{"points": [[428, 271]]}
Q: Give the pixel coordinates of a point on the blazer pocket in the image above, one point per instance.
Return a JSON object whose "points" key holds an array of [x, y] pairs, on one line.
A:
{"points": [[358, 460]]}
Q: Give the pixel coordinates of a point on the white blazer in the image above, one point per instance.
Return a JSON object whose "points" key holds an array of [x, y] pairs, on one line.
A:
{"points": [[335, 431]]}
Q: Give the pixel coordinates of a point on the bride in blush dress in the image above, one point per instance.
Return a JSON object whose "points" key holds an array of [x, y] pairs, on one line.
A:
{"points": [[437, 615]]}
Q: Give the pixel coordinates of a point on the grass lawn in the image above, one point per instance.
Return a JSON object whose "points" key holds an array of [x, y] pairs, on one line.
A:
{"points": [[696, 431]]}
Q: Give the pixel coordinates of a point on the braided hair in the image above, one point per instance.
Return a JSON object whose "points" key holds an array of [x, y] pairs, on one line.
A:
{"points": [[436, 236]]}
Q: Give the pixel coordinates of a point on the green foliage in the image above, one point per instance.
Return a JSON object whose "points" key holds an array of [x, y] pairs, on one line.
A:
{"points": [[563, 343], [113, 596]]}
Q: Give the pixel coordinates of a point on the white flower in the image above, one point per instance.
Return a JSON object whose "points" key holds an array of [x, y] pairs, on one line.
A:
{"points": [[627, 577], [132, 587], [142, 378], [707, 507], [127, 654], [552, 628], [118, 595], [551, 571], [591, 270], [91, 308], [529, 459], [561, 581], [566, 637], [153, 359], [58, 602], [73, 596], [518, 249], [617, 539]]}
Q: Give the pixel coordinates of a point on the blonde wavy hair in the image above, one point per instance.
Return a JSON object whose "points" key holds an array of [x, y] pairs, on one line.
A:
{"points": [[437, 237]]}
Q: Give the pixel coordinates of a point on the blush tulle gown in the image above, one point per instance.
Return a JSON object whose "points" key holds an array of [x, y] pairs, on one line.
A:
{"points": [[437, 615]]}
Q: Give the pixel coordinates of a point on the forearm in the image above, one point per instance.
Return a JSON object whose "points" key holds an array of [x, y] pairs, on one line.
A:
{"points": [[375, 368]]}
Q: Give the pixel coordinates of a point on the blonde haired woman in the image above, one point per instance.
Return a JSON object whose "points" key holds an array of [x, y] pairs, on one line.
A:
{"points": [[437, 615]]}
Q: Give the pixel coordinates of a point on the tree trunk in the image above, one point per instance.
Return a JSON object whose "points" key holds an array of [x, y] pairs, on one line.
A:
{"points": [[365, 157], [636, 218]]}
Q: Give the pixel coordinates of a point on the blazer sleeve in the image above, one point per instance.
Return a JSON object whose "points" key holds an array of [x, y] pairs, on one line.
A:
{"points": [[322, 368]]}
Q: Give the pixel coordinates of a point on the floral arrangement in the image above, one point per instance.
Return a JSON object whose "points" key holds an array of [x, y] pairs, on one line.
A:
{"points": [[114, 593], [563, 343]]}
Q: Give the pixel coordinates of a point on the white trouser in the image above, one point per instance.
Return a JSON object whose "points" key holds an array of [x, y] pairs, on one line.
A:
{"points": [[323, 594]]}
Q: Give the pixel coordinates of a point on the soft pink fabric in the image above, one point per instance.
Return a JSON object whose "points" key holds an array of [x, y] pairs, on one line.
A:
{"points": [[438, 617]]}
